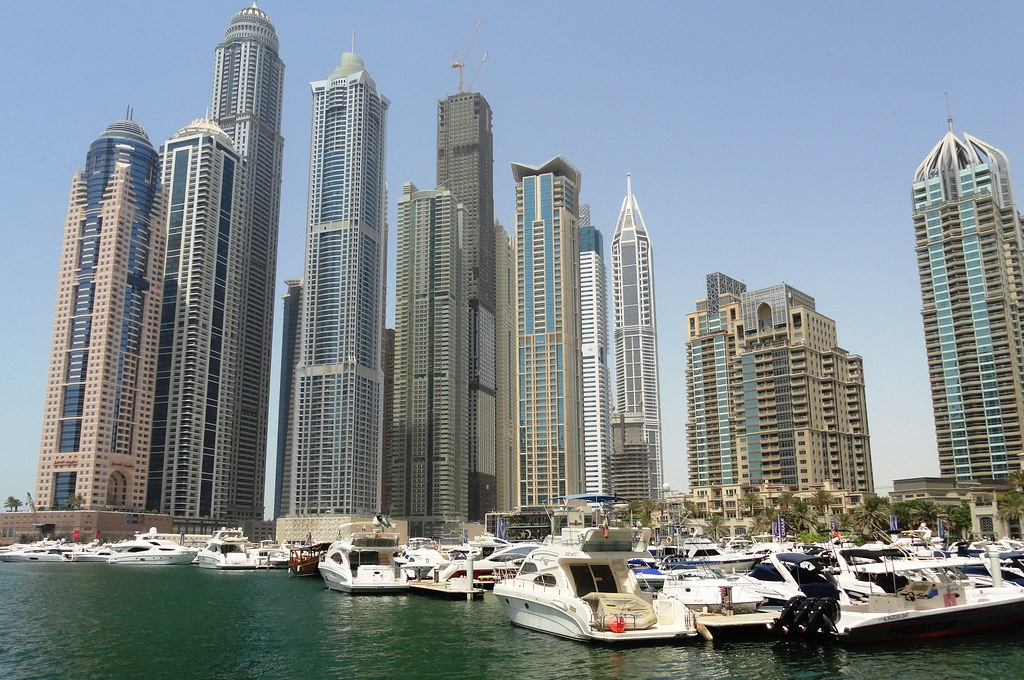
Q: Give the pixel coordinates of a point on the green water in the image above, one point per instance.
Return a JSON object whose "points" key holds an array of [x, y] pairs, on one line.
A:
{"points": [[101, 621]]}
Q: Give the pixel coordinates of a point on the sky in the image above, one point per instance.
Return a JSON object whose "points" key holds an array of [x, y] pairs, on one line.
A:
{"points": [[774, 142]]}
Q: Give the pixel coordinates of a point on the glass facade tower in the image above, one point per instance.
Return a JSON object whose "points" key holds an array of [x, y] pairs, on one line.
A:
{"points": [[248, 88], [99, 395], [597, 432], [549, 333], [637, 390], [340, 376], [969, 256]]}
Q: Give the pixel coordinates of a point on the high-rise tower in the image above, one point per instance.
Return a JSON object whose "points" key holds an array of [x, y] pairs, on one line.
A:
{"points": [[465, 166], [969, 256], [772, 398], [597, 432], [291, 333], [340, 377], [194, 451], [506, 421], [636, 331], [429, 434], [248, 86], [550, 372], [99, 395]]}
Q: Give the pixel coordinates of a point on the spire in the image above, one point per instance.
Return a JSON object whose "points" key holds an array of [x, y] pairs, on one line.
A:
{"points": [[629, 184], [949, 114]]}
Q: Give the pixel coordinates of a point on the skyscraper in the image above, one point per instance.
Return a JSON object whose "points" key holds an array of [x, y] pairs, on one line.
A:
{"points": [[968, 242], [291, 327], [773, 398], [597, 433], [99, 395], [506, 449], [429, 432], [636, 329], [550, 372], [248, 86], [340, 377], [465, 165], [194, 450]]}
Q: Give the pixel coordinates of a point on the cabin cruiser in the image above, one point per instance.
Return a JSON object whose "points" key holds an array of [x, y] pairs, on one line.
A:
{"points": [[38, 553], [227, 549], [500, 564], [779, 577], [270, 555], [578, 585], [704, 589], [419, 558], [151, 549], [98, 553], [702, 550], [932, 599], [362, 561]]}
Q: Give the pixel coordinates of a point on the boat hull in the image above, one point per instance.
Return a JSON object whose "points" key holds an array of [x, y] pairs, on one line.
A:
{"points": [[914, 625], [380, 581], [152, 560]]}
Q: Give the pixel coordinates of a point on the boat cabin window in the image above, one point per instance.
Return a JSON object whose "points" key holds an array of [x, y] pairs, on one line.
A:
{"points": [[546, 580], [766, 572], [529, 568], [336, 557]]}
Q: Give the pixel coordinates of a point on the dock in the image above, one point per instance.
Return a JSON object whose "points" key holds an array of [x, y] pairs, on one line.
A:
{"points": [[738, 626], [452, 590]]}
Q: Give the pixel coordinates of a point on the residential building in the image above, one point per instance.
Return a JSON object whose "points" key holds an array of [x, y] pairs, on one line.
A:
{"points": [[340, 375], [636, 329], [98, 413], [597, 430], [429, 431], [194, 455], [291, 327], [549, 333], [248, 89], [465, 166], [967, 232], [506, 423], [629, 473], [772, 397]]}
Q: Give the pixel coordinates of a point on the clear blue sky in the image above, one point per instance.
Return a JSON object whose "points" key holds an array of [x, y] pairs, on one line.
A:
{"points": [[770, 141]]}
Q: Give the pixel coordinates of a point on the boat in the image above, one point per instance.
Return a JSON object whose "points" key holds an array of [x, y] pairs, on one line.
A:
{"points": [[362, 561], [227, 549], [38, 553], [419, 558], [99, 553], [780, 577], [152, 549], [304, 560], [578, 585], [933, 599], [707, 590], [500, 564], [270, 555], [702, 550]]}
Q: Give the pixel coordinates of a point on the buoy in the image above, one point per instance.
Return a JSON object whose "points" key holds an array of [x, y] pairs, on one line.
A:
{"points": [[605, 527], [668, 540], [704, 632], [617, 624]]}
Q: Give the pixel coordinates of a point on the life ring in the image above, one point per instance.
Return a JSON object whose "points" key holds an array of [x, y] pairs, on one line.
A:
{"points": [[668, 540]]}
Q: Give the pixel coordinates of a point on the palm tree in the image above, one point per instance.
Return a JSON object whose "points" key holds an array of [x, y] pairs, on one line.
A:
{"points": [[1011, 507], [643, 510], [762, 521], [750, 502], [784, 499], [12, 504], [692, 509], [929, 512], [822, 500], [799, 516], [714, 525], [1015, 480], [872, 514], [959, 518], [73, 503]]}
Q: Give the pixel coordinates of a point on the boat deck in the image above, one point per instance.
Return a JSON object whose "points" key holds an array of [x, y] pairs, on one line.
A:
{"points": [[445, 591]]}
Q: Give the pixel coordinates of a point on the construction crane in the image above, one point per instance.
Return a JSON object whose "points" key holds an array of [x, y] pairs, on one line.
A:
{"points": [[476, 72], [460, 63]]}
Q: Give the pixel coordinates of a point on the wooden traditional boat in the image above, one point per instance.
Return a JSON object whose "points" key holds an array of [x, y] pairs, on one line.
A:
{"points": [[304, 559]]}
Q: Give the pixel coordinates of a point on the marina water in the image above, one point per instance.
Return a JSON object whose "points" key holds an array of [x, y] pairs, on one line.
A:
{"points": [[102, 621]]}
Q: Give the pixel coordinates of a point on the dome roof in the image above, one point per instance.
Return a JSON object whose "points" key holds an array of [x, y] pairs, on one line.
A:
{"points": [[205, 126], [126, 128], [252, 23], [350, 63]]}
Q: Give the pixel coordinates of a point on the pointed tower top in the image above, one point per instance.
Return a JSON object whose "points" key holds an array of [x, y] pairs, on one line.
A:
{"points": [[949, 114], [629, 184]]}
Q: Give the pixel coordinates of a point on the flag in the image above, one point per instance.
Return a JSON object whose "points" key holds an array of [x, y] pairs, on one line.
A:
{"points": [[657, 535], [775, 529], [894, 523], [833, 525], [465, 535], [500, 528], [783, 529], [942, 529]]}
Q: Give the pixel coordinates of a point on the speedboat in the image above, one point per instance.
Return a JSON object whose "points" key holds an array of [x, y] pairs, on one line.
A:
{"points": [[362, 561], [578, 585], [934, 600], [420, 557], [150, 549], [782, 576], [704, 589], [227, 549], [270, 555]]}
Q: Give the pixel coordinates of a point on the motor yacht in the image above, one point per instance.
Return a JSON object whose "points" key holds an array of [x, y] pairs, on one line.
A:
{"points": [[578, 585], [419, 558], [227, 549], [702, 550], [38, 553], [704, 589], [151, 549], [98, 553], [362, 561], [270, 555], [500, 564]]}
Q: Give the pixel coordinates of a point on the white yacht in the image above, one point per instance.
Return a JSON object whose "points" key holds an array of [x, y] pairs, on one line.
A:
{"points": [[704, 589], [500, 564], [151, 549], [419, 558], [98, 553], [270, 555], [227, 549], [578, 585], [362, 561], [37, 553], [702, 550]]}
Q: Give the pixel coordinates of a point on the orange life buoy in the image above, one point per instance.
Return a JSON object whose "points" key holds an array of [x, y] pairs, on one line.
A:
{"points": [[668, 540], [605, 527], [617, 624]]}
